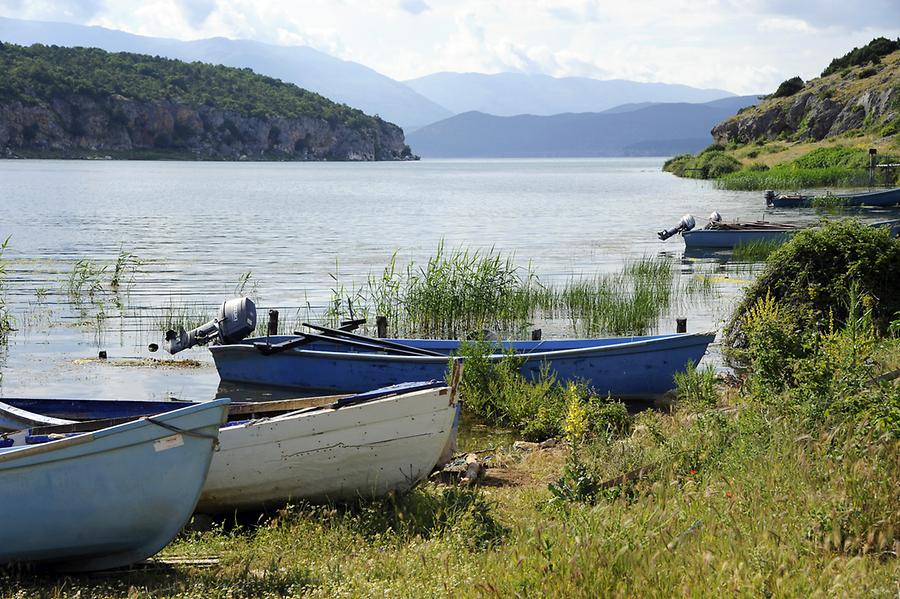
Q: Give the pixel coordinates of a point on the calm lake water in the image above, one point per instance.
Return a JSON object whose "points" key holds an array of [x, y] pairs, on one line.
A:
{"points": [[199, 227]]}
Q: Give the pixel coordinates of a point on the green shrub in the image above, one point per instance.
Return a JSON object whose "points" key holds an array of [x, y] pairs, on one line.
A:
{"points": [[810, 275], [870, 53], [789, 87]]}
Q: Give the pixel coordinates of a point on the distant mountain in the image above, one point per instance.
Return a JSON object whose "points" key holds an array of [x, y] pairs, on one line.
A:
{"points": [[339, 80], [510, 94], [655, 130]]}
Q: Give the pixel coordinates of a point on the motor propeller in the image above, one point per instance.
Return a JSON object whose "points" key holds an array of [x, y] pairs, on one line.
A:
{"points": [[685, 224]]}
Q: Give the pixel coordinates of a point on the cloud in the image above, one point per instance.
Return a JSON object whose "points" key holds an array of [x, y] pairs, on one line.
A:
{"points": [[588, 12], [414, 7], [196, 11], [52, 10], [839, 14]]}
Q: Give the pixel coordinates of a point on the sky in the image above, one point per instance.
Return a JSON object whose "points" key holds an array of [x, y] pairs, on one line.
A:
{"points": [[743, 46]]}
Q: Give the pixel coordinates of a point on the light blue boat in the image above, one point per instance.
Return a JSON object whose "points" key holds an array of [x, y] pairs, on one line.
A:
{"points": [[109, 498], [727, 238], [625, 367]]}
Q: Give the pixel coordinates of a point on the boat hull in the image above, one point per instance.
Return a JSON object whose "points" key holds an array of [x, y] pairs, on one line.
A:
{"points": [[363, 450], [728, 238], [108, 498], [640, 367], [883, 198]]}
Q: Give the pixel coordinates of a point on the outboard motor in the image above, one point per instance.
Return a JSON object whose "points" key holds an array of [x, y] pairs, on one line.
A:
{"points": [[715, 217], [236, 320], [770, 197], [686, 224]]}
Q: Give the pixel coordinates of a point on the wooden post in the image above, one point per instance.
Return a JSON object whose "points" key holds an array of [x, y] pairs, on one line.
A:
{"points": [[681, 325], [381, 326], [536, 335], [272, 328], [872, 153]]}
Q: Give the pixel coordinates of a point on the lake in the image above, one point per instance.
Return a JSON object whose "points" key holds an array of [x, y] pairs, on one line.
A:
{"points": [[199, 228]]}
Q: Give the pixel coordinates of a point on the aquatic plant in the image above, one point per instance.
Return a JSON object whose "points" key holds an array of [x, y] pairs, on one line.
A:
{"points": [[6, 323], [757, 250], [465, 293], [124, 269]]}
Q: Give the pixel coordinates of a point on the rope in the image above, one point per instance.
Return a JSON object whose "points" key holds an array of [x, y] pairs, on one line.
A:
{"points": [[181, 431]]}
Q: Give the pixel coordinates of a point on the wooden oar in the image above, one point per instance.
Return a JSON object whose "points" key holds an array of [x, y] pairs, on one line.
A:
{"points": [[393, 345], [267, 349]]}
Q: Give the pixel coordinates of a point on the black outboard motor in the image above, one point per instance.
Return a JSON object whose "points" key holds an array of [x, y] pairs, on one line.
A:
{"points": [[237, 319], [770, 197], [686, 224]]}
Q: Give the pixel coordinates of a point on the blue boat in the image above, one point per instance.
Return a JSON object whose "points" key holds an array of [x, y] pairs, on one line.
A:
{"points": [[109, 498], [625, 367], [882, 198]]}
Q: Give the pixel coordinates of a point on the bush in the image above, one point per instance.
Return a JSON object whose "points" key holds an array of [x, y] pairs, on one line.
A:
{"points": [[809, 276], [789, 87], [871, 52]]}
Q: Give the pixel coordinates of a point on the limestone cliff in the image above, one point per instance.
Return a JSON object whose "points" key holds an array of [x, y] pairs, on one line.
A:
{"points": [[864, 98]]}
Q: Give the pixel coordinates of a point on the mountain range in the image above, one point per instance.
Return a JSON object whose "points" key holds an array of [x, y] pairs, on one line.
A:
{"points": [[339, 80], [510, 94], [640, 130], [451, 114]]}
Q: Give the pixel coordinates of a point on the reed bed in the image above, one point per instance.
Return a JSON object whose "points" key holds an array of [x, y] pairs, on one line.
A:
{"points": [[465, 293], [792, 178], [757, 250]]}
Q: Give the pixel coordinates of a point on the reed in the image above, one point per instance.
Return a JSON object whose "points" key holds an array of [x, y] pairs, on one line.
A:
{"points": [[790, 178], [757, 250], [464, 293], [6, 322]]}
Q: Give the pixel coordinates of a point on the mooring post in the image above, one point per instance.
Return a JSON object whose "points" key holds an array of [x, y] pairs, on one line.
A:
{"points": [[381, 326], [536, 335], [681, 325], [872, 153], [272, 328]]}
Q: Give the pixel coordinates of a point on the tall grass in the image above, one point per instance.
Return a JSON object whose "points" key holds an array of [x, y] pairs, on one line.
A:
{"points": [[465, 293], [626, 303], [757, 250], [5, 318], [793, 178]]}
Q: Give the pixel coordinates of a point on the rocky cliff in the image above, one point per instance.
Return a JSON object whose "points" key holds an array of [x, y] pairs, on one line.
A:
{"points": [[863, 98], [77, 125]]}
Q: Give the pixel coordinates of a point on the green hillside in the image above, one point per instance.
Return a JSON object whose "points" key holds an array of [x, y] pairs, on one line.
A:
{"points": [[811, 134], [36, 74]]}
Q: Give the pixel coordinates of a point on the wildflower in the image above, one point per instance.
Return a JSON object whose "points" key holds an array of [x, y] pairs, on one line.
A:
{"points": [[692, 472], [728, 494]]}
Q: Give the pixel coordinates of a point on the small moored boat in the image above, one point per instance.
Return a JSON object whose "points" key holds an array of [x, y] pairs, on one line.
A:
{"points": [[882, 198], [720, 235], [339, 361], [107, 498]]}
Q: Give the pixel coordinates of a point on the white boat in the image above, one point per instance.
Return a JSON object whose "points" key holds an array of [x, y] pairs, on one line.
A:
{"points": [[320, 448], [361, 449]]}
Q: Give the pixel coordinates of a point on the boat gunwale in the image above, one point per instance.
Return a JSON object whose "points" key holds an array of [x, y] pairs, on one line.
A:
{"points": [[13, 453], [298, 352]]}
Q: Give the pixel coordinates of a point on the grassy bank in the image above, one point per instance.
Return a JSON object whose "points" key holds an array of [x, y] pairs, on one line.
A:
{"points": [[785, 167]]}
